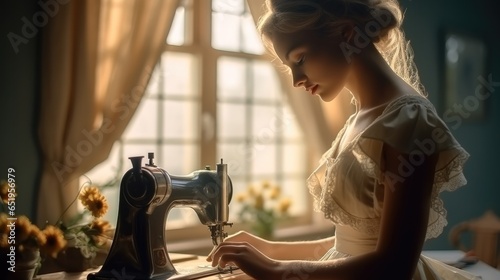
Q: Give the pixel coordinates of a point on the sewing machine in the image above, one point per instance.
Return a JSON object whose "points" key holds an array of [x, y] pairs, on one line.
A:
{"points": [[147, 193]]}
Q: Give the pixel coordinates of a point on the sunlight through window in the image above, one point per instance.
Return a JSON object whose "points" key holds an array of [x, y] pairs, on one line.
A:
{"points": [[212, 99]]}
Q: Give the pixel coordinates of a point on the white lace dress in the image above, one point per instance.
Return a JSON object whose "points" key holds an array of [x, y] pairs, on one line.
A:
{"points": [[346, 186]]}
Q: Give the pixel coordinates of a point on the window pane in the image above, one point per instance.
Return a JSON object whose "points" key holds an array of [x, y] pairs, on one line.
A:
{"points": [[226, 32], [251, 38], [231, 119], [288, 122], [235, 7], [143, 124], [296, 190], [180, 159], [266, 85], [263, 127], [237, 156], [180, 119], [239, 185], [179, 74], [294, 158], [233, 28], [257, 133], [181, 217], [176, 35], [264, 159], [231, 74]]}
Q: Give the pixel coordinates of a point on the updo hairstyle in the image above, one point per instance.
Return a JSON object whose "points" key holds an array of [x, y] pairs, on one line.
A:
{"points": [[377, 20]]}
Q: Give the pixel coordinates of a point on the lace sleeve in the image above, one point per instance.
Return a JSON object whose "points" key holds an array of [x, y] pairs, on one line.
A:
{"points": [[412, 126]]}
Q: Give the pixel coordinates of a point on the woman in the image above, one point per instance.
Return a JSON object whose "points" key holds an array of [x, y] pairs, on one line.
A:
{"points": [[380, 180]]}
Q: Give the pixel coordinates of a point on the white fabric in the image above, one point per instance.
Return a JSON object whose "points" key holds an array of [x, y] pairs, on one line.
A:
{"points": [[427, 268], [347, 185]]}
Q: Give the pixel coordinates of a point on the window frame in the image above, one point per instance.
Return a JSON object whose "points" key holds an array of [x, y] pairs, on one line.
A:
{"points": [[199, 43]]}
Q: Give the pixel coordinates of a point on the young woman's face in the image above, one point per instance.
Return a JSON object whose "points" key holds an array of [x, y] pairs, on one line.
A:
{"points": [[316, 62]]}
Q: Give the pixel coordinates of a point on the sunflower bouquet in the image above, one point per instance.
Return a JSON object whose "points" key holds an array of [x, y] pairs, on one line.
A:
{"points": [[24, 240], [50, 241], [91, 235], [262, 206]]}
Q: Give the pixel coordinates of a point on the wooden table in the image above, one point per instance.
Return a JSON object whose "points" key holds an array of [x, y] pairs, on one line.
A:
{"points": [[187, 261], [479, 269], [182, 263]]}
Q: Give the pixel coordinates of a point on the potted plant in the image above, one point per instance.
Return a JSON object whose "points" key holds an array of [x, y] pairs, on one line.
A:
{"points": [[87, 233], [22, 243], [262, 206]]}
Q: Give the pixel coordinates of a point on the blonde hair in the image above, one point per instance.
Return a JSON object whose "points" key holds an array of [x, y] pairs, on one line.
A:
{"points": [[332, 16]]}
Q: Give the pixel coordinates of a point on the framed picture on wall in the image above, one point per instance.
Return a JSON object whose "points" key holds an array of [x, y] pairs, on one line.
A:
{"points": [[464, 67]]}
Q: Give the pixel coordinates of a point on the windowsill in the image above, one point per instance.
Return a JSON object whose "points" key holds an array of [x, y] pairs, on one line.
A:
{"points": [[303, 232]]}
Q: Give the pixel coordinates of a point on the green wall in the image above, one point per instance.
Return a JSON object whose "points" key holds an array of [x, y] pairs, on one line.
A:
{"points": [[19, 90], [425, 23]]}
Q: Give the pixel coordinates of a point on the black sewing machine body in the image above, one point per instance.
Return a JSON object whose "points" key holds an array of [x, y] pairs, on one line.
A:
{"points": [[147, 193]]}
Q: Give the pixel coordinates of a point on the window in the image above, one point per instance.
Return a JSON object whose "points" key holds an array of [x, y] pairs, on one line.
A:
{"points": [[214, 95]]}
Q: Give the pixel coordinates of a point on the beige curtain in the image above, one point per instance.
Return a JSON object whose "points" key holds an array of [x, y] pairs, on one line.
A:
{"points": [[97, 57], [320, 121]]}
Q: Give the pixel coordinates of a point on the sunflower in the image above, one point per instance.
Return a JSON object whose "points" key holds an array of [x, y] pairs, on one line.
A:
{"points": [[97, 205], [251, 190], [3, 231], [55, 241], [38, 235], [94, 201], [35, 238], [4, 242], [3, 223], [99, 228], [4, 191], [88, 192], [284, 205], [266, 184], [23, 229], [275, 192]]}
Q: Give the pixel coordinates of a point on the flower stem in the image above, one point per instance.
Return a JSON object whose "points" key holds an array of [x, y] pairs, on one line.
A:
{"points": [[89, 182]]}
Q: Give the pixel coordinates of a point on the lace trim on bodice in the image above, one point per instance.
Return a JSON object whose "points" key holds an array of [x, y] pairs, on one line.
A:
{"points": [[323, 193], [448, 178], [324, 202]]}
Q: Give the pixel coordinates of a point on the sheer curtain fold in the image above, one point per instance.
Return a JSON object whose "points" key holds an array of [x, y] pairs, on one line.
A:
{"points": [[319, 121], [97, 57]]}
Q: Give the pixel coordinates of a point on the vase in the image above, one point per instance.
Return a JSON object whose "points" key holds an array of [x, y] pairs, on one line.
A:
{"points": [[72, 260], [265, 231], [267, 235], [22, 265]]}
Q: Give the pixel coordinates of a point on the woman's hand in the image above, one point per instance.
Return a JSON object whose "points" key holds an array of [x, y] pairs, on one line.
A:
{"points": [[284, 250], [243, 236], [246, 257]]}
